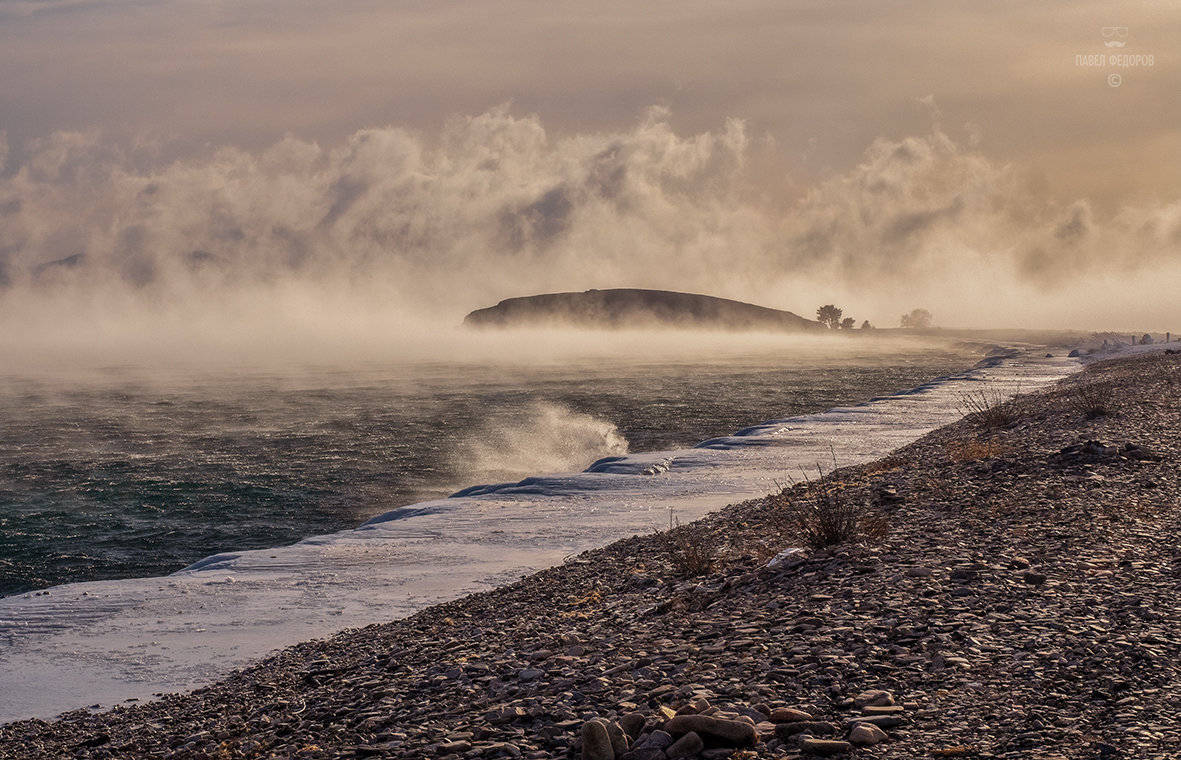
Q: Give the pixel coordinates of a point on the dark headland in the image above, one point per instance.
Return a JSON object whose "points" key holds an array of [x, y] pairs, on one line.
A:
{"points": [[1020, 602], [635, 307]]}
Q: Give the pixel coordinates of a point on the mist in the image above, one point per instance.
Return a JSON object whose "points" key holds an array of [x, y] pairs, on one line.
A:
{"points": [[185, 178], [393, 234]]}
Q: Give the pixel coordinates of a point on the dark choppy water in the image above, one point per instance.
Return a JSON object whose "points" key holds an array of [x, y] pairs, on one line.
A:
{"points": [[123, 473]]}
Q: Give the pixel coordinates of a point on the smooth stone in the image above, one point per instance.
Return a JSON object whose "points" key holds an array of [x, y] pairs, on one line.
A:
{"points": [[823, 747], [633, 724], [788, 715], [619, 742], [919, 572], [644, 753], [718, 753], [596, 742], [873, 697], [883, 710], [661, 740], [687, 746], [734, 732], [881, 721], [866, 735], [786, 730]]}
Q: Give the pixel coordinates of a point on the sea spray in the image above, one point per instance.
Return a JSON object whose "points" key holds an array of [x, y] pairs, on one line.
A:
{"points": [[540, 437]]}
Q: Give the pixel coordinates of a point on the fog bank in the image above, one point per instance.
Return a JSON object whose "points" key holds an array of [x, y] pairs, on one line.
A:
{"points": [[398, 231]]}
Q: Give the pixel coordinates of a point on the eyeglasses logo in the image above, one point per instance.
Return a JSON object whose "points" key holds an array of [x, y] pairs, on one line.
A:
{"points": [[1112, 36]]}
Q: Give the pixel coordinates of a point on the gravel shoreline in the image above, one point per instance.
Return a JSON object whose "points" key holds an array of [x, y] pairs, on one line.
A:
{"points": [[1021, 605]]}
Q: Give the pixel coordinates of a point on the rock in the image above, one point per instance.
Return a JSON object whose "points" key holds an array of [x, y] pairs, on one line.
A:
{"points": [[619, 742], [874, 697], [964, 574], [1032, 578], [736, 733], [644, 753], [788, 715], [755, 715], [881, 721], [718, 753], [596, 743], [633, 724], [505, 715], [866, 735], [1074, 353], [658, 739], [786, 730], [883, 710], [919, 572], [823, 747], [687, 746]]}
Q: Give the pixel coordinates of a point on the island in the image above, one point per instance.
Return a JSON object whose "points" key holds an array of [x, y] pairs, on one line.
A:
{"points": [[620, 308]]}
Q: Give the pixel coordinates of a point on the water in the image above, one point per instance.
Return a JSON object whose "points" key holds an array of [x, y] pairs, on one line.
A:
{"points": [[125, 472], [302, 437]]}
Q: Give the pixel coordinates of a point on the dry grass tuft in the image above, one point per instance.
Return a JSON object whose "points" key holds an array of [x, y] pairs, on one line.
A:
{"points": [[989, 407], [1094, 399], [821, 515], [692, 550]]}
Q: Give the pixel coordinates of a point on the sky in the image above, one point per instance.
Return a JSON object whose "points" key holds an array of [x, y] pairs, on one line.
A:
{"points": [[292, 163]]}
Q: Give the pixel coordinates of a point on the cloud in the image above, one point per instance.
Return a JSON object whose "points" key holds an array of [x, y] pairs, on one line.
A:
{"points": [[495, 206]]}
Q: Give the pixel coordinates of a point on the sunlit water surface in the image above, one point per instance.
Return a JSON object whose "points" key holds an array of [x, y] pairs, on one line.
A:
{"points": [[125, 472]]}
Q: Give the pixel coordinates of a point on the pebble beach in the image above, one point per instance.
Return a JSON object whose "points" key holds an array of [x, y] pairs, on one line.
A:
{"points": [[1012, 595]]}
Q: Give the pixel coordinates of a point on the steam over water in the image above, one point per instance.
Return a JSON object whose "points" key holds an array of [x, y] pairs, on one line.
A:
{"points": [[125, 473]]}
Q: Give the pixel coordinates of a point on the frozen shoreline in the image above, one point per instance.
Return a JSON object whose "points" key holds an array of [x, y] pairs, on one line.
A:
{"points": [[106, 642]]}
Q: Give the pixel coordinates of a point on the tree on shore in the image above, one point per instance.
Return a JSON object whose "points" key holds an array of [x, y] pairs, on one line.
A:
{"points": [[917, 319], [847, 323], [866, 325], [829, 316]]}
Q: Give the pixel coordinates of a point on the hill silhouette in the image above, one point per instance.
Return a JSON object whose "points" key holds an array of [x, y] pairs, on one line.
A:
{"points": [[635, 307]]}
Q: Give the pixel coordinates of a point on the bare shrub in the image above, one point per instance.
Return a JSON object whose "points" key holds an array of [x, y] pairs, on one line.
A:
{"points": [[823, 515], [990, 408], [693, 550], [1094, 399]]}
